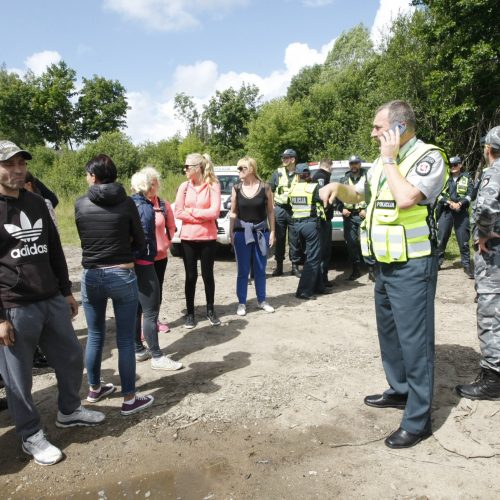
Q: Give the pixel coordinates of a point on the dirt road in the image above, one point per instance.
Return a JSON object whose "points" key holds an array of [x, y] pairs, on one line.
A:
{"points": [[270, 406]]}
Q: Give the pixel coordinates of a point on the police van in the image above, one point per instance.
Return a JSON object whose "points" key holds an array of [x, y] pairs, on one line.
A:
{"points": [[228, 177], [339, 168]]}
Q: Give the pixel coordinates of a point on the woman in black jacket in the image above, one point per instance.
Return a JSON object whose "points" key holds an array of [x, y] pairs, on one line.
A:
{"points": [[110, 231]]}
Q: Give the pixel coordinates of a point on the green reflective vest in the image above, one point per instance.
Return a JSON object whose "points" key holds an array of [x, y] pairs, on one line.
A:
{"points": [[283, 188], [390, 234], [355, 206], [301, 199]]}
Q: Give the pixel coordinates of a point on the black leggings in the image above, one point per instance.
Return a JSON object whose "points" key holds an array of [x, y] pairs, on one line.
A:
{"points": [[205, 252]]}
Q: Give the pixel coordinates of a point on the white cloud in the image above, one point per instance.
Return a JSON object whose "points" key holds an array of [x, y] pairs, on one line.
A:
{"points": [[170, 15], [40, 61], [387, 12], [154, 119]]}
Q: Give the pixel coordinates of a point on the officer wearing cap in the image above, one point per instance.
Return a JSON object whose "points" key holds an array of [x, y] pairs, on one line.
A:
{"points": [[486, 217], [307, 209], [353, 214], [399, 233], [453, 212], [322, 177], [281, 182]]}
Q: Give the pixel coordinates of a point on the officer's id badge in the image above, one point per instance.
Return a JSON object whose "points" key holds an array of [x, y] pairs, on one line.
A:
{"points": [[424, 167], [299, 200], [385, 204], [485, 182], [321, 182]]}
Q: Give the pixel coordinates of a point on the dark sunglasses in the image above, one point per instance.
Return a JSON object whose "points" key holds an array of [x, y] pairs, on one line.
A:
{"points": [[240, 169], [187, 167]]}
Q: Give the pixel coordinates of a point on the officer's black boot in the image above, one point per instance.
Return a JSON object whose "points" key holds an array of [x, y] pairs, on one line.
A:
{"points": [[486, 386], [469, 273], [371, 273], [355, 273], [279, 269], [295, 271]]}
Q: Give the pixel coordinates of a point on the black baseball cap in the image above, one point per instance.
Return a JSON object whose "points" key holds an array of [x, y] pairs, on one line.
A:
{"points": [[354, 159], [289, 152]]}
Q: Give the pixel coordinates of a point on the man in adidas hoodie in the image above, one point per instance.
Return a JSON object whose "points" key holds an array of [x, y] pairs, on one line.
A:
{"points": [[36, 308]]}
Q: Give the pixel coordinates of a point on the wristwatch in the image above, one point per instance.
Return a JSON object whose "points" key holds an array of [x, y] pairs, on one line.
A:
{"points": [[388, 160]]}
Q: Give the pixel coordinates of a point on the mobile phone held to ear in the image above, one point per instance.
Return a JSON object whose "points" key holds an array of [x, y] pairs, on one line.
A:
{"points": [[400, 126]]}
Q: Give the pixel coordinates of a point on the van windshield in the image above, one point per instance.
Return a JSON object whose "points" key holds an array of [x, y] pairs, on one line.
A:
{"points": [[227, 182]]}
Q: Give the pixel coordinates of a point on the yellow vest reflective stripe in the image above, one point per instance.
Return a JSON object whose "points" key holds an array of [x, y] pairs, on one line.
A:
{"points": [[391, 234], [355, 206], [462, 185], [283, 189], [301, 199]]}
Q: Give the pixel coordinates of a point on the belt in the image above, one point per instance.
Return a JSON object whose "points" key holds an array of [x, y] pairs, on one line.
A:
{"points": [[242, 230], [304, 219]]}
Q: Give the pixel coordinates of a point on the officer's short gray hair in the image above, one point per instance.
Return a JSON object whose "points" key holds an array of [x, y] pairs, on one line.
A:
{"points": [[400, 111]]}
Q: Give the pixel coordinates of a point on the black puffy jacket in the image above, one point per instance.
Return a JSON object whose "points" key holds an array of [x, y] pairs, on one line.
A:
{"points": [[109, 226]]}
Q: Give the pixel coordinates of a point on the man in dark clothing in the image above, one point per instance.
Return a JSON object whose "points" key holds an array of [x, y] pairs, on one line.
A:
{"points": [[36, 308], [322, 178], [453, 212]]}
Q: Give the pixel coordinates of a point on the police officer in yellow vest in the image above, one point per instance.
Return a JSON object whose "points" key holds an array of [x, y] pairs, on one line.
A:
{"points": [[353, 214], [453, 208], [307, 208], [399, 232], [281, 182]]}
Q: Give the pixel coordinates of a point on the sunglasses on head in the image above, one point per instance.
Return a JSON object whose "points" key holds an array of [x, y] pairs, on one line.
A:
{"points": [[241, 169]]}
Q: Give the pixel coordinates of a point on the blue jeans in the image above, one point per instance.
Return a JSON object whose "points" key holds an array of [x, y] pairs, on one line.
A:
{"points": [[244, 254], [120, 285]]}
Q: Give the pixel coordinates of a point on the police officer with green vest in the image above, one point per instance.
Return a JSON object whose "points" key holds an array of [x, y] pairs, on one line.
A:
{"points": [[281, 182], [399, 233], [307, 209], [353, 214], [453, 209]]}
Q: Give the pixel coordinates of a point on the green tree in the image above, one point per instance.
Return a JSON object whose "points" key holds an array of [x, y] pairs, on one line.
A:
{"points": [[16, 116], [228, 115], [279, 125], [191, 144], [101, 107], [302, 83], [186, 110], [52, 105], [163, 155]]}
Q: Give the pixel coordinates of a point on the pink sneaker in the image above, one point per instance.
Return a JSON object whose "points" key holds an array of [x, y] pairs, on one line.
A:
{"points": [[163, 327]]}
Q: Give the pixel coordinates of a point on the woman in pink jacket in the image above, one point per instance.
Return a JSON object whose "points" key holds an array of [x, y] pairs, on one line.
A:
{"points": [[197, 205]]}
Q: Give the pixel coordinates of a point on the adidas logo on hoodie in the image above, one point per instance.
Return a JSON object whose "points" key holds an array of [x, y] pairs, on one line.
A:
{"points": [[28, 233]]}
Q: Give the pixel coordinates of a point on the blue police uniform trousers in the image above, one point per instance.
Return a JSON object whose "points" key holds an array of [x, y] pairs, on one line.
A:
{"points": [[460, 221], [404, 306], [283, 220], [326, 247], [308, 233], [351, 236]]}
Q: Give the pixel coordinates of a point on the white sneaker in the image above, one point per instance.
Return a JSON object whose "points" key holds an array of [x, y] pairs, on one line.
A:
{"points": [[268, 308], [42, 451], [81, 417], [165, 363], [142, 355], [242, 310]]}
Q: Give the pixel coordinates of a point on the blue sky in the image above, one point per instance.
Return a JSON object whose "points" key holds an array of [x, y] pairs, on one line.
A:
{"points": [[157, 48]]}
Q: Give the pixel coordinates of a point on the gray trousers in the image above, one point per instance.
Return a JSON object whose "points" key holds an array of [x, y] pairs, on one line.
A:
{"points": [[404, 306], [488, 329], [46, 323]]}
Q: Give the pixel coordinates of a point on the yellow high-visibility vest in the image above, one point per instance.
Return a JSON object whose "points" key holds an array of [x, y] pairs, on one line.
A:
{"points": [[301, 199], [283, 188], [391, 234]]}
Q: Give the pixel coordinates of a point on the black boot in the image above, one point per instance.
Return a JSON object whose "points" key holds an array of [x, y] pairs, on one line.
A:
{"points": [[371, 273], [355, 273], [486, 386], [295, 271], [279, 269], [469, 273]]}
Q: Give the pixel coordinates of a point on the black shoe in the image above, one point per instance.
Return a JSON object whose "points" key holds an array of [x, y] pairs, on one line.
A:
{"points": [[354, 275], [39, 359], [303, 296], [469, 273], [383, 401], [189, 323], [405, 439], [371, 273], [279, 269], [329, 284], [295, 271], [3, 404], [324, 292], [486, 386], [212, 317]]}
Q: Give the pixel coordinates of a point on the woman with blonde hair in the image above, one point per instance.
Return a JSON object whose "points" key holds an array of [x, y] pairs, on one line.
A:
{"points": [[252, 232], [197, 205], [147, 279]]}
